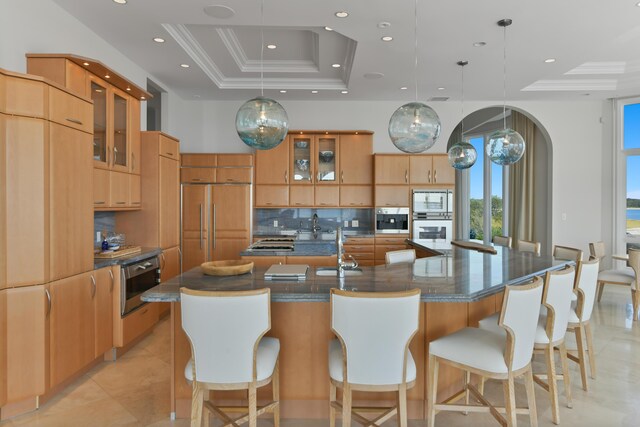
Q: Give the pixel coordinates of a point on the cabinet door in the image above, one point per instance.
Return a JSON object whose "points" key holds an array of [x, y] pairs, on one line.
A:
{"points": [[198, 175], [194, 252], [23, 146], [170, 263], [71, 326], [302, 159], [420, 169], [101, 150], [24, 342], [326, 196], [101, 188], [3, 341], [169, 203], [391, 169], [169, 147], [237, 159], [225, 248], [272, 166], [231, 209], [134, 136], [327, 159], [226, 175], [443, 173], [119, 184], [103, 320], [76, 78], [70, 202], [269, 196], [301, 195], [356, 159], [392, 195], [194, 211], [134, 191], [120, 130], [356, 195]]}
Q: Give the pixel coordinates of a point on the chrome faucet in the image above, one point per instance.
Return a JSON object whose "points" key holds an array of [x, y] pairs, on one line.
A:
{"points": [[314, 223], [341, 264]]}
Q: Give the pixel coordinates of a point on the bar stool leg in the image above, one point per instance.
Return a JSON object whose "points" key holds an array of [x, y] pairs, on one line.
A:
{"points": [[579, 330], [346, 405], [564, 361], [402, 406], [467, 380], [432, 390], [592, 355], [552, 383], [332, 410], [196, 405], [600, 289], [531, 397], [275, 384], [253, 403], [510, 400]]}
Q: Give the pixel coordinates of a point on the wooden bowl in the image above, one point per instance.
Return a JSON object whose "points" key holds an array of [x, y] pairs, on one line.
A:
{"points": [[226, 268]]}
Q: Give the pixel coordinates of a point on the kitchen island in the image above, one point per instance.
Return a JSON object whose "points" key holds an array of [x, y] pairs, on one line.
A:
{"points": [[457, 291]]}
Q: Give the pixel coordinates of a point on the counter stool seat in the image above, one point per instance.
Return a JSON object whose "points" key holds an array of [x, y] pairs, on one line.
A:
{"points": [[490, 324], [623, 275]]}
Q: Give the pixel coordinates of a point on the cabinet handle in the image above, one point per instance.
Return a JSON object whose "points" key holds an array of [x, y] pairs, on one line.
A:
{"points": [[94, 287], [136, 203], [99, 203], [213, 205], [46, 291], [76, 121], [121, 203], [298, 203], [113, 280], [342, 176], [429, 176], [107, 156], [144, 311], [286, 177], [200, 225], [406, 175], [169, 154], [115, 155], [318, 177], [196, 179], [133, 162], [435, 176], [164, 261]]}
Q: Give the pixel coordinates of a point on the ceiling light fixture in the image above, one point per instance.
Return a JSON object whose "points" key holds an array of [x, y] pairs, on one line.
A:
{"points": [[342, 14], [403, 88], [314, 91], [550, 60], [344, 91], [261, 122], [271, 46], [283, 91], [328, 28], [86, 64], [120, 1], [441, 88], [335, 65], [142, 97], [158, 39], [128, 89], [414, 127], [505, 146], [479, 44], [107, 76], [387, 38], [462, 155], [185, 65]]}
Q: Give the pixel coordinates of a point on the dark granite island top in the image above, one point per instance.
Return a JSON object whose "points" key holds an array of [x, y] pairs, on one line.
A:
{"points": [[465, 276]]}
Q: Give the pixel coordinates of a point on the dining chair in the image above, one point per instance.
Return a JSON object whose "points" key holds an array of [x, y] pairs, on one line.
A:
{"points": [[529, 246], [502, 241], [580, 316], [371, 352], [400, 256], [623, 276], [503, 356], [550, 333], [229, 351], [567, 253]]}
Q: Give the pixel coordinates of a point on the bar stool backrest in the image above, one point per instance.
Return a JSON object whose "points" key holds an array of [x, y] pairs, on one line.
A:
{"points": [[567, 253], [375, 329], [634, 262], [587, 281], [224, 329], [519, 317], [403, 255], [527, 246], [502, 241], [597, 250], [558, 289]]}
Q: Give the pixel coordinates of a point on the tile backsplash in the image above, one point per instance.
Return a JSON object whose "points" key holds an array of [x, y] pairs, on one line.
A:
{"points": [[275, 221], [103, 221]]}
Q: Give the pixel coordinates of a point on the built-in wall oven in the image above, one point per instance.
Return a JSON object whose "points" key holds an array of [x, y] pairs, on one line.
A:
{"points": [[432, 217], [137, 278], [392, 220]]}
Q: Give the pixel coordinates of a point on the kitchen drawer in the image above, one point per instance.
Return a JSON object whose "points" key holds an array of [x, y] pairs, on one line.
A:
{"points": [[70, 111], [206, 160], [134, 187], [228, 175], [360, 255], [197, 175], [359, 241], [396, 240], [169, 148], [381, 250], [138, 322], [358, 248], [235, 159]]}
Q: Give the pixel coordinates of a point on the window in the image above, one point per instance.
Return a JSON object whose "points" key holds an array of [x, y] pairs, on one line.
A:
{"points": [[476, 192], [628, 212]]}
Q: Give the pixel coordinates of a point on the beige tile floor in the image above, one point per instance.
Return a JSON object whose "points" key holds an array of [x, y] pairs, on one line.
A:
{"points": [[134, 391]]}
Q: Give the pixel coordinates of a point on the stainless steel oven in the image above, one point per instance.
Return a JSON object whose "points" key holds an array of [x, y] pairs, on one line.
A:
{"points": [[136, 279], [392, 220], [437, 230], [433, 203]]}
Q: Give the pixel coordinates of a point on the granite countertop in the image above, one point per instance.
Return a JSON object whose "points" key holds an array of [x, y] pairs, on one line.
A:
{"points": [[323, 244], [442, 248], [464, 276], [127, 259]]}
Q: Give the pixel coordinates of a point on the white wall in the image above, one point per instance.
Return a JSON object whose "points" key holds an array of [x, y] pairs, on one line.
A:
{"points": [[208, 126]]}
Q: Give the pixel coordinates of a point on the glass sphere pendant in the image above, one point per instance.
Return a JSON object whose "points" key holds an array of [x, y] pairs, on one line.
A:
{"points": [[505, 147], [414, 127], [462, 155], [262, 123]]}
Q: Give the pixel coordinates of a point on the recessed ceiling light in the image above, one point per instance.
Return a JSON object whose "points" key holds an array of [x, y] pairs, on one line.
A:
{"points": [[128, 89], [107, 76], [638, 4], [99, 90], [185, 65], [271, 46], [441, 88], [283, 91], [344, 91], [120, 1], [86, 64], [403, 88], [158, 39], [219, 11], [382, 25], [387, 38], [335, 65], [342, 14], [142, 97], [550, 60], [479, 44], [314, 91], [328, 28]]}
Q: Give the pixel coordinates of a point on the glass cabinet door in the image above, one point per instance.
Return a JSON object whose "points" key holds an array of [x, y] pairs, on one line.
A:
{"points": [[302, 167], [120, 114], [99, 97], [327, 159]]}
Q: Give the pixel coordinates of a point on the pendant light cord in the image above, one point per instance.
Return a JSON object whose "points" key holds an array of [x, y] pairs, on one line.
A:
{"points": [[415, 48], [462, 103], [504, 79], [262, 48]]}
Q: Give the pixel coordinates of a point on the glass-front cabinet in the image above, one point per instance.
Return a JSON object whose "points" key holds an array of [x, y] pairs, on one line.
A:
{"points": [[99, 98], [326, 153], [120, 132], [302, 164]]}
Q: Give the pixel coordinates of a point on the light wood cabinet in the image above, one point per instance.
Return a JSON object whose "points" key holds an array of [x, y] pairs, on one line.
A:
{"points": [[216, 168], [61, 71], [231, 221], [384, 244], [197, 175], [158, 223], [169, 268], [69, 110], [361, 248], [391, 169], [134, 126], [443, 173], [135, 196], [101, 188], [234, 175], [356, 196], [271, 196], [272, 166], [103, 318], [431, 169], [71, 326], [356, 154], [194, 252], [392, 195], [327, 196], [228, 159], [119, 189], [301, 196]]}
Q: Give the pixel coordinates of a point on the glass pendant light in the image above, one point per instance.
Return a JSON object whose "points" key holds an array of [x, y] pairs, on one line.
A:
{"points": [[505, 146], [462, 155], [414, 127], [261, 122]]}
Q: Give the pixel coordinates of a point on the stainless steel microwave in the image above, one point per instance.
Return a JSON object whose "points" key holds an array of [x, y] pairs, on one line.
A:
{"points": [[392, 220]]}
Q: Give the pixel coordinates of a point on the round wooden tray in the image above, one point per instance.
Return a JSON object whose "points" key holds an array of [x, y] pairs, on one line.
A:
{"points": [[226, 268]]}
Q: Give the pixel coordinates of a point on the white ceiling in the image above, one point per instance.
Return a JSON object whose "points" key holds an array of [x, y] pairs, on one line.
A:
{"points": [[595, 44]]}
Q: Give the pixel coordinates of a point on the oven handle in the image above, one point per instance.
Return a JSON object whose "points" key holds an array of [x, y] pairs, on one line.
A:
{"points": [[93, 287], [200, 225], [123, 291], [113, 280]]}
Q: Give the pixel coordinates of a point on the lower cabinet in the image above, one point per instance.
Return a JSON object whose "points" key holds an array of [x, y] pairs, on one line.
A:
{"points": [[169, 268], [313, 261], [105, 287], [384, 244]]}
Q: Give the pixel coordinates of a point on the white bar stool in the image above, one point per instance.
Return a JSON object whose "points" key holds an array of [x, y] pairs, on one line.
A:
{"points": [[552, 327], [403, 255], [528, 246], [502, 241], [229, 350], [567, 253], [498, 356], [374, 330]]}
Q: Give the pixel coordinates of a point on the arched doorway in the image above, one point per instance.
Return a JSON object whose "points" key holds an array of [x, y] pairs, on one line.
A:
{"points": [[483, 192]]}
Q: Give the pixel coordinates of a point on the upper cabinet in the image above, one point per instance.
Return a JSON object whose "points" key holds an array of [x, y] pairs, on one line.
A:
{"points": [[391, 169], [356, 154], [431, 169], [272, 166]]}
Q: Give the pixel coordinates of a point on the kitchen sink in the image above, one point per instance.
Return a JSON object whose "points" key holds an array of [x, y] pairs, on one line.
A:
{"points": [[307, 236], [332, 271]]}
